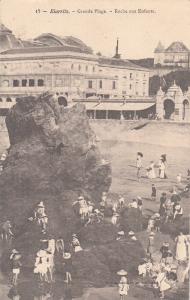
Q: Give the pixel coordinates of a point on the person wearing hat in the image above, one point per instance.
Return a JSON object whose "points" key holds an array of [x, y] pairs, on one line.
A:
{"points": [[133, 204], [132, 236], [151, 171], [162, 169], [139, 164], [121, 201], [40, 210], [83, 207], [123, 285], [16, 264], [76, 244], [67, 267], [114, 218], [150, 247], [41, 265], [178, 212], [120, 236], [164, 251]]}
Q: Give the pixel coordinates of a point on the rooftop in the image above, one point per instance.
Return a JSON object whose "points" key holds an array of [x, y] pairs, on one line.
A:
{"points": [[177, 47], [119, 63]]}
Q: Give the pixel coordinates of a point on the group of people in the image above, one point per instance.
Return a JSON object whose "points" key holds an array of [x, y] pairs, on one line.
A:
{"points": [[50, 249], [151, 169], [165, 269]]}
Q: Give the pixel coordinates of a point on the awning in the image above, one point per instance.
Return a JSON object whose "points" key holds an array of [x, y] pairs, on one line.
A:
{"points": [[118, 106]]}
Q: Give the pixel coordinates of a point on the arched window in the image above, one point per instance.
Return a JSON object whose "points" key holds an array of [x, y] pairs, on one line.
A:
{"points": [[40, 82], [8, 100], [16, 83], [100, 84]]}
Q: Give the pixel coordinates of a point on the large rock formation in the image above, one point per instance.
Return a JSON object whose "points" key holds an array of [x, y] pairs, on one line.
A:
{"points": [[53, 157]]}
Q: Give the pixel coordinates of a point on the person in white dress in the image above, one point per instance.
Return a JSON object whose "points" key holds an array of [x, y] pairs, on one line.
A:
{"points": [[162, 283], [139, 164], [181, 247], [162, 169], [41, 265], [123, 285], [83, 210], [151, 171]]}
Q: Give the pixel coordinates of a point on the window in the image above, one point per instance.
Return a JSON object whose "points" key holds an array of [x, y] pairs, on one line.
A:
{"points": [[130, 86], [79, 67], [31, 82], [100, 84], [93, 69], [86, 68], [113, 85], [131, 75], [1, 100], [15, 82], [9, 99], [40, 82], [90, 84], [24, 82], [72, 67]]}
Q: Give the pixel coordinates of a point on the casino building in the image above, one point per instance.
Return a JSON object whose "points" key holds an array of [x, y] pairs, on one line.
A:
{"points": [[109, 87]]}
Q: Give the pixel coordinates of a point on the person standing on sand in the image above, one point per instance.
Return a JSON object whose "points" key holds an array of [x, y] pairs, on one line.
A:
{"points": [[151, 248], [139, 164], [123, 285], [153, 195], [181, 247]]}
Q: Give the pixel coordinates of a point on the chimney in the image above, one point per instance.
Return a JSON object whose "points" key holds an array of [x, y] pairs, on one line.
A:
{"points": [[117, 55]]}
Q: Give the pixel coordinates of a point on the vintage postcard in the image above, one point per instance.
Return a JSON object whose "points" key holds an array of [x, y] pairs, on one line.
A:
{"points": [[94, 149]]}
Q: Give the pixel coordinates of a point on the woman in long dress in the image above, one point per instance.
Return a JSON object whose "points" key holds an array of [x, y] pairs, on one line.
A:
{"points": [[162, 169], [151, 171], [181, 247]]}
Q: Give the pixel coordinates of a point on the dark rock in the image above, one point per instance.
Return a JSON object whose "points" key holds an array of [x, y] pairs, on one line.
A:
{"points": [[53, 158]]}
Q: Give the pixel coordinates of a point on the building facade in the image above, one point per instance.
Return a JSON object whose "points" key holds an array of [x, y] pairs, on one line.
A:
{"points": [[176, 55], [174, 104], [66, 66]]}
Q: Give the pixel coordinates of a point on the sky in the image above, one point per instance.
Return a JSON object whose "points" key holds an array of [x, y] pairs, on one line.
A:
{"points": [[138, 33]]}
